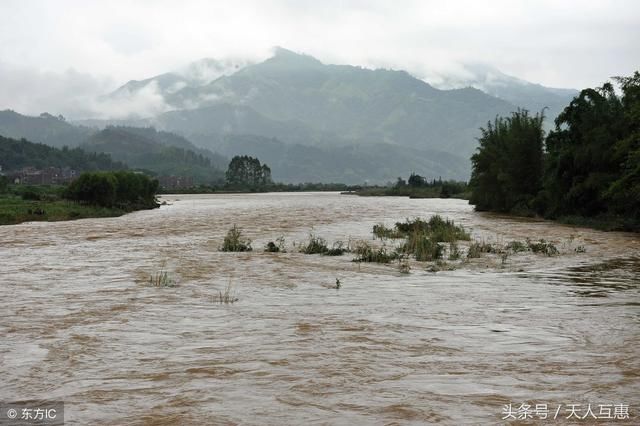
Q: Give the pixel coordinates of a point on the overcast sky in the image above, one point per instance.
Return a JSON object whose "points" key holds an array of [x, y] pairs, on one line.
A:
{"points": [[67, 52]]}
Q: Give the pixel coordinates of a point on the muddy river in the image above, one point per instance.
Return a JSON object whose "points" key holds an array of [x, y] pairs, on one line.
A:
{"points": [[81, 324]]}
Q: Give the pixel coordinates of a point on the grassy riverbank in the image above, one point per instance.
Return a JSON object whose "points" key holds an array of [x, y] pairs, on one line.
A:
{"points": [[101, 194], [14, 209]]}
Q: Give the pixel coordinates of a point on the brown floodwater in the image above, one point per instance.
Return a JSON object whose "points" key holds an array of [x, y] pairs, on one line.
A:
{"points": [[79, 322]]}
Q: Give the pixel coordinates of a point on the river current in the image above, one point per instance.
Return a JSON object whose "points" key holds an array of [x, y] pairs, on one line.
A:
{"points": [[80, 323]]}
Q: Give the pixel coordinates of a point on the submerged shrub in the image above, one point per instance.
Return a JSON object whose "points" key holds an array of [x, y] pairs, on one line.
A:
{"points": [[382, 231], [454, 251], [234, 241], [441, 265], [516, 246], [271, 247], [338, 249], [316, 245], [435, 228], [403, 265], [423, 247], [543, 246], [161, 279], [477, 248], [367, 253], [227, 296]]}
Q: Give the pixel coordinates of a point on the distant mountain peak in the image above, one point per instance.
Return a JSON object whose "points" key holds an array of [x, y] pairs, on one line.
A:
{"points": [[280, 54]]}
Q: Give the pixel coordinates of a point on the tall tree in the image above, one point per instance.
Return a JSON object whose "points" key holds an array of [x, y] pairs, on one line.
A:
{"points": [[507, 167], [581, 161], [245, 171]]}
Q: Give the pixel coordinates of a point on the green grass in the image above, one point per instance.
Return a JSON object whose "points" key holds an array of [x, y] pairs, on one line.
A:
{"points": [[424, 248], [14, 209], [436, 228], [423, 237]]}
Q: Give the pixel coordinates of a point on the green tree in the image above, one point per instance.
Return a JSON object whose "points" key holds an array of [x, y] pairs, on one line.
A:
{"points": [[123, 189], [97, 188], [624, 191], [245, 171], [507, 167], [581, 159]]}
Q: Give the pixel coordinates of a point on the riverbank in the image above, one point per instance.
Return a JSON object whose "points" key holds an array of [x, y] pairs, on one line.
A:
{"points": [[424, 192], [48, 203], [14, 209]]}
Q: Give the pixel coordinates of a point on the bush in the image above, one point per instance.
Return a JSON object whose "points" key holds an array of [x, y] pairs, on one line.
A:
{"points": [[516, 246], [316, 245], [477, 248], [366, 253], [338, 249], [542, 247], [382, 231], [436, 228], [271, 247], [126, 190], [234, 242], [454, 251], [423, 247]]}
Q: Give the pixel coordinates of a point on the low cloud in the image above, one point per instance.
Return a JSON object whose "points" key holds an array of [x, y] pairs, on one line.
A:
{"points": [[74, 95]]}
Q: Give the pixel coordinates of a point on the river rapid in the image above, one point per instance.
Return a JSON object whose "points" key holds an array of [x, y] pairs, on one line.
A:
{"points": [[80, 323]]}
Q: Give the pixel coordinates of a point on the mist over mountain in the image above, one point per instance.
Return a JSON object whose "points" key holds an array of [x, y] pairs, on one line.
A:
{"points": [[309, 120], [46, 129], [521, 93]]}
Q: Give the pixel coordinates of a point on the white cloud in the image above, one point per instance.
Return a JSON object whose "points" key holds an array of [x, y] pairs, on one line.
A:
{"points": [[556, 43]]}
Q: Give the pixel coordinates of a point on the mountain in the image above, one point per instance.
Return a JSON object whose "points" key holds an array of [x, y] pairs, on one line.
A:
{"points": [[172, 86], [518, 92], [315, 121], [350, 164], [298, 99], [46, 128], [147, 149]]}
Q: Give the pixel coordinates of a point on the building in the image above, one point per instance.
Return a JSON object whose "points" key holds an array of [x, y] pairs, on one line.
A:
{"points": [[46, 176]]}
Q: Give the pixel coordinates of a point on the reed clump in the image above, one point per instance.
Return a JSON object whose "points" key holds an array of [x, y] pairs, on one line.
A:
{"points": [[162, 279], [422, 247], [381, 231], [226, 296], [234, 242]]}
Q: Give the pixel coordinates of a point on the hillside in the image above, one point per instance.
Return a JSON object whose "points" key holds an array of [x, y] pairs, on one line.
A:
{"points": [[16, 154], [521, 93], [136, 148], [46, 128], [350, 164]]}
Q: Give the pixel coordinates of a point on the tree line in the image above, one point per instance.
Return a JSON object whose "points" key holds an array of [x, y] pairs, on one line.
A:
{"points": [[587, 167], [122, 189], [16, 154]]}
